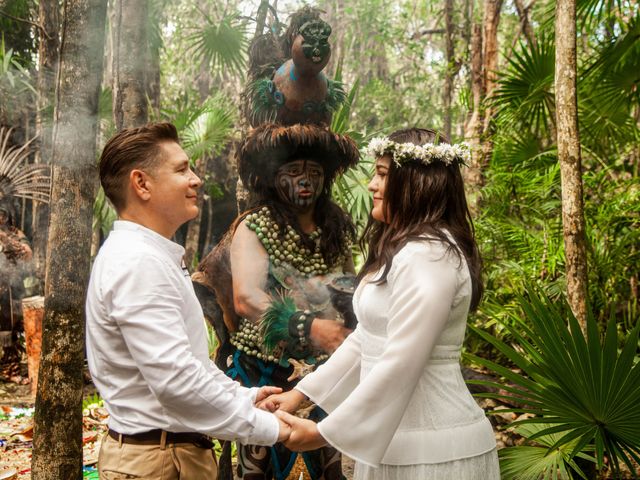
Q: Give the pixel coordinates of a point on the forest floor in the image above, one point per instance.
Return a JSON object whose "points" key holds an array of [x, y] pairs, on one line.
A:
{"points": [[16, 429]]}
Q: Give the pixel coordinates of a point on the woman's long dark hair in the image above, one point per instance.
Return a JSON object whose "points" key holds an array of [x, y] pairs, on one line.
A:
{"points": [[422, 201]]}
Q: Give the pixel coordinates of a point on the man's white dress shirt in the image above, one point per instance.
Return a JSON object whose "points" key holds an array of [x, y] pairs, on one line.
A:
{"points": [[147, 346]]}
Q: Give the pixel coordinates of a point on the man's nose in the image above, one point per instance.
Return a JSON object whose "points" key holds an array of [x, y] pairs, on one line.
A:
{"points": [[195, 180]]}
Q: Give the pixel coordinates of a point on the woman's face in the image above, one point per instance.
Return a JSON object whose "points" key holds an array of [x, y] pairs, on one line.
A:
{"points": [[377, 186]]}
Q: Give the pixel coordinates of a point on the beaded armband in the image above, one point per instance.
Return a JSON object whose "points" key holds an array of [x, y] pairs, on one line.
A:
{"points": [[300, 327]]}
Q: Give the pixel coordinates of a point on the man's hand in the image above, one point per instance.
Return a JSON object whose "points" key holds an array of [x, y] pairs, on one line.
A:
{"points": [[304, 434], [287, 401], [328, 334], [264, 392]]}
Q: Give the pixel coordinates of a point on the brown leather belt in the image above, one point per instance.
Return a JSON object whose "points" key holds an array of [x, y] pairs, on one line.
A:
{"points": [[154, 437]]}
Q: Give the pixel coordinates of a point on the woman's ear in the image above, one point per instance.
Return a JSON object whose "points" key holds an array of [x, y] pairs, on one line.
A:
{"points": [[138, 182]]}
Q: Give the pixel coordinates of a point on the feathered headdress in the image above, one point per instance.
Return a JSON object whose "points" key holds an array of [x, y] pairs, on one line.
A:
{"points": [[19, 178], [269, 146]]}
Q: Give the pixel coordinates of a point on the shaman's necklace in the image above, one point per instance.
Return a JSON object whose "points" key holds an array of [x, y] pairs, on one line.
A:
{"points": [[290, 249]]}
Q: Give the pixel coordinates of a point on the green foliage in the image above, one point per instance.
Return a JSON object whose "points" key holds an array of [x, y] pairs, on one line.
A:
{"points": [[103, 213], [205, 129], [16, 89], [525, 90], [221, 44], [17, 34], [581, 387], [92, 401], [539, 459]]}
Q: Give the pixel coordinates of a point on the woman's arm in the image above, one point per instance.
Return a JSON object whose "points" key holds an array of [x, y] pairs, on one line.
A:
{"points": [[423, 283]]}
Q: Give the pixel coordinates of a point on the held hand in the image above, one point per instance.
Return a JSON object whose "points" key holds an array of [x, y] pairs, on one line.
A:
{"points": [[284, 432], [328, 334], [287, 401], [304, 434], [264, 392]]}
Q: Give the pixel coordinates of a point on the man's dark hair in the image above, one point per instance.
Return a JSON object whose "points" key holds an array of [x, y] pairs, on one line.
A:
{"points": [[129, 149]]}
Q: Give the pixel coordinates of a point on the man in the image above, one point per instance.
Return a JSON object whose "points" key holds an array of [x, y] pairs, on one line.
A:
{"points": [[146, 340]]}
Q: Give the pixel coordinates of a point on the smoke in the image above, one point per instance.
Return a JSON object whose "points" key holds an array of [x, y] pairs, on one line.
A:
{"points": [[14, 273]]}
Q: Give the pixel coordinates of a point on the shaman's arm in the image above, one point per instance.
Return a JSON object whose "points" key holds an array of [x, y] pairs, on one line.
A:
{"points": [[249, 269]]}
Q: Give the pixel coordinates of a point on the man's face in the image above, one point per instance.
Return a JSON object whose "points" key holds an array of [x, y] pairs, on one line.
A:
{"points": [[300, 183], [173, 187], [4, 217]]}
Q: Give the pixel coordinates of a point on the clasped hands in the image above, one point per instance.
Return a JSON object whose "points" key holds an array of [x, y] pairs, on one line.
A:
{"points": [[297, 434]]}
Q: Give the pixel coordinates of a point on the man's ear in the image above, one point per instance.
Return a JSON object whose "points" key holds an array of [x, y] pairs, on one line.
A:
{"points": [[138, 183]]}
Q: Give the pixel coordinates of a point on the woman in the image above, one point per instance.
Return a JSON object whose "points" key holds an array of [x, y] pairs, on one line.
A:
{"points": [[394, 391]]}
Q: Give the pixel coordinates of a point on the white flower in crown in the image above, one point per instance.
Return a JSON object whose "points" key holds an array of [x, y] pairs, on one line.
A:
{"points": [[426, 154]]}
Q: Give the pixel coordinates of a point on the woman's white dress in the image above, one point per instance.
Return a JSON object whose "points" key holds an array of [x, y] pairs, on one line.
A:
{"points": [[394, 390]]}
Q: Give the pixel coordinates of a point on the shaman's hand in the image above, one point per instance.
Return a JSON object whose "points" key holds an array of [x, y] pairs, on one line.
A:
{"points": [[328, 334]]}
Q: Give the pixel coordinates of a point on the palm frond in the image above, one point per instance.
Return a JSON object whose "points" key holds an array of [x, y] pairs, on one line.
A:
{"points": [[222, 44], [582, 385], [204, 130], [524, 95]]}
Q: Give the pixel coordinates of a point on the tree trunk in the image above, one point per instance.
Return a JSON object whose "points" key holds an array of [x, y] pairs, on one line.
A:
{"points": [[193, 228], [129, 52], [48, 55], [490, 60], [525, 24], [57, 448], [450, 69], [152, 77], [473, 130], [573, 224]]}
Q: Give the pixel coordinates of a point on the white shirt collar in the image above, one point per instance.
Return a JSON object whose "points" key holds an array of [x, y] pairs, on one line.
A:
{"points": [[175, 251]]}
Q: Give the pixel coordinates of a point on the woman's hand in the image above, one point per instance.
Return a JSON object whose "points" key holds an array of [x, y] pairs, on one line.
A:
{"points": [[328, 334], [264, 392], [304, 434], [288, 401]]}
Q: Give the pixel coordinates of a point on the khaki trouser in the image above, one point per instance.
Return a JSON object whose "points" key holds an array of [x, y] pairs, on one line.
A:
{"points": [[180, 461]]}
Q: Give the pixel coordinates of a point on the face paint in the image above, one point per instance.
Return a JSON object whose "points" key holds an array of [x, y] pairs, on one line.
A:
{"points": [[315, 45], [300, 183]]}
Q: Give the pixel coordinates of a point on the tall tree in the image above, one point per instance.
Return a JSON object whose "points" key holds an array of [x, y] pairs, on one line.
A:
{"points": [[573, 223], [484, 65], [57, 444], [48, 54], [473, 128], [451, 66], [490, 71], [130, 50], [193, 229]]}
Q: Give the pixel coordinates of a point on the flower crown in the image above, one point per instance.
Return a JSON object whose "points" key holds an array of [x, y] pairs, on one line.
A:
{"points": [[425, 154]]}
